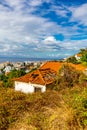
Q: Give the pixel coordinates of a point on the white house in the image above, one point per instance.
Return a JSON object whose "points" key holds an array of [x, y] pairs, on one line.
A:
{"points": [[8, 69], [78, 56], [29, 87], [35, 81]]}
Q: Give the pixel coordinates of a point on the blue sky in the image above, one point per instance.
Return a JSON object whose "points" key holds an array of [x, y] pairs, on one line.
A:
{"points": [[42, 28]]}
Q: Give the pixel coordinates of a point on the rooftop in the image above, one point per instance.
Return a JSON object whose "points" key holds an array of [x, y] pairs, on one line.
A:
{"points": [[40, 76], [54, 65], [47, 73], [79, 55]]}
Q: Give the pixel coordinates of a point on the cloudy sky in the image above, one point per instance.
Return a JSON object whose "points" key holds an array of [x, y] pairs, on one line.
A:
{"points": [[42, 28]]}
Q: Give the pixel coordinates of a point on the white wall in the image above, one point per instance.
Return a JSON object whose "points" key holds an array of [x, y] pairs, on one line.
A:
{"points": [[77, 57], [24, 87], [27, 87]]}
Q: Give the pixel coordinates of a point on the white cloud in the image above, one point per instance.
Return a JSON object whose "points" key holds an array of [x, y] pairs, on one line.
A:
{"points": [[60, 10], [35, 2], [50, 40], [79, 14], [22, 30], [74, 44]]}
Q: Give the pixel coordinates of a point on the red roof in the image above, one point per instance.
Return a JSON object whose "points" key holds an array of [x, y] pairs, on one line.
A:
{"points": [[47, 73], [79, 55], [41, 76], [54, 65]]}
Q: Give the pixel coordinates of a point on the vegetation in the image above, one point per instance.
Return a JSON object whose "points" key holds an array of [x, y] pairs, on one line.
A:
{"points": [[83, 51], [82, 60], [72, 59], [68, 76], [84, 56], [63, 107], [7, 79]]}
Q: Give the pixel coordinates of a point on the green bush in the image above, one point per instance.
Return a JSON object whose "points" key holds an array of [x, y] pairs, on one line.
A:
{"points": [[72, 60], [84, 57], [7, 79]]}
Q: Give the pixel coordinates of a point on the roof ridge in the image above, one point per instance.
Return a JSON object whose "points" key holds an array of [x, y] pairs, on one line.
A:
{"points": [[41, 75]]}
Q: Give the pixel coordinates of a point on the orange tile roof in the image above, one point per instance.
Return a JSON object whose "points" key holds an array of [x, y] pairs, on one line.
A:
{"points": [[54, 65], [47, 73], [79, 55], [41, 76]]}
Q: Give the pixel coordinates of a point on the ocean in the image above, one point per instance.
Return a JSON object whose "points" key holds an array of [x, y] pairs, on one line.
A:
{"points": [[22, 59]]}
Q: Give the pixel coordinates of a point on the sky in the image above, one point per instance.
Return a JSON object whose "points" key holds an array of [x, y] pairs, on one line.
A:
{"points": [[42, 28]]}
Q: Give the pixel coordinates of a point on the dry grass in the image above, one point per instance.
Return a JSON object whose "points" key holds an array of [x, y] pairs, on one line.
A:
{"points": [[48, 111]]}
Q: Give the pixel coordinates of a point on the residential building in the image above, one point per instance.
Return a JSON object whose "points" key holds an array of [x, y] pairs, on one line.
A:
{"points": [[78, 56], [37, 80], [40, 79]]}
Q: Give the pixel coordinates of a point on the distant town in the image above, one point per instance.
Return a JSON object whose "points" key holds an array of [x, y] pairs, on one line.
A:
{"points": [[27, 66]]}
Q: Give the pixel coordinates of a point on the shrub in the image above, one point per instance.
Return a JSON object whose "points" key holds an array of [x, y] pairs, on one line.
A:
{"points": [[84, 57], [72, 60], [68, 76]]}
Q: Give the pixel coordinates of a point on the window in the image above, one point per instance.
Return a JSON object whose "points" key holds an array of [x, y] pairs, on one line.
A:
{"points": [[37, 89]]}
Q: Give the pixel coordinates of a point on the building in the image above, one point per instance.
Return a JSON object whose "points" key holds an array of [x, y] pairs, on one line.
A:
{"points": [[42, 78], [38, 80], [78, 56], [53, 65], [8, 69], [17, 65], [35, 81]]}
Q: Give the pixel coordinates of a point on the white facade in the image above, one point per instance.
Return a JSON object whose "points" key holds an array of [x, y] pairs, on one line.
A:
{"points": [[28, 87], [77, 57], [7, 69]]}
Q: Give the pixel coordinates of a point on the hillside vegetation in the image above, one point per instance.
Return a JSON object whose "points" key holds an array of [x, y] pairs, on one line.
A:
{"points": [[63, 110], [62, 107]]}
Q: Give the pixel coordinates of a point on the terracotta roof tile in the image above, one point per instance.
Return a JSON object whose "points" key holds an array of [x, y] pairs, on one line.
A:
{"points": [[47, 73], [54, 65], [79, 55], [41, 76]]}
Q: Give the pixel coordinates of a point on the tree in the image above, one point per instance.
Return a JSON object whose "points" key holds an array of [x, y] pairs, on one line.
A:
{"points": [[82, 51], [84, 57], [7, 79], [72, 60]]}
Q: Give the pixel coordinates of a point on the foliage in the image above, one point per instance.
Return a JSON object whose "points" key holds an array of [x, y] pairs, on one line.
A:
{"points": [[16, 73], [14, 104], [7, 79], [84, 63], [64, 109], [77, 99], [68, 76], [82, 51], [72, 60], [84, 57]]}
